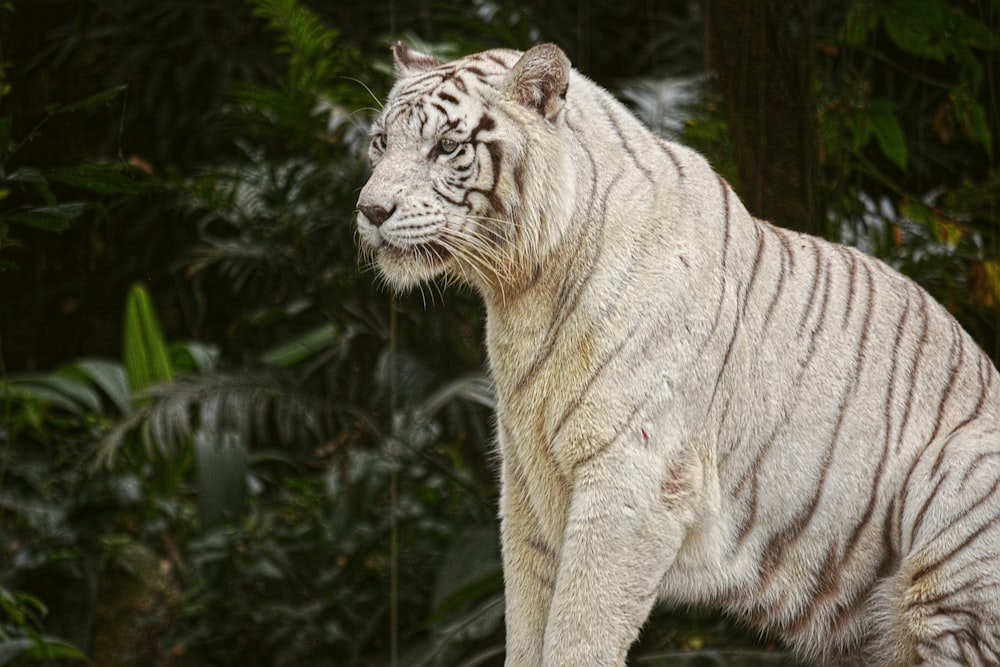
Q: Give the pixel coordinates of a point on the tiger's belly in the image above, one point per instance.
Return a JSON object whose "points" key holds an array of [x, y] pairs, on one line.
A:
{"points": [[810, 585]]}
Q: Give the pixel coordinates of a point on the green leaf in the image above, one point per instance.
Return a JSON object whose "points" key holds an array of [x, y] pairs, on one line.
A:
{"points": [[108, 376], [916, 27], [13, 649], [302, 347], [99, 178], [56, 649], [862, 19], [974, 120], [52, 390], [888, 134], [26, 175], [76, 393], [24, 609], [57, 218], [36, 179], [94, 101], [147, 359], [194, 356], [979, 127], [49, 648]]}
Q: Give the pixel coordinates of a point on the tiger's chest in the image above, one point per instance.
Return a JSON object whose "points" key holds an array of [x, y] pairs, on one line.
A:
{"points": [[554, 412], [569, 399], [547, 422]]}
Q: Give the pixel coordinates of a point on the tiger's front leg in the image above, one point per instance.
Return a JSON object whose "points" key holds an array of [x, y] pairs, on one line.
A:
{"points": [[625, 526], [529, 570]]}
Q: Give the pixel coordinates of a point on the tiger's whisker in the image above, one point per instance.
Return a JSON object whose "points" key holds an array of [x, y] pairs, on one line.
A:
{"points": [[365, 86]]}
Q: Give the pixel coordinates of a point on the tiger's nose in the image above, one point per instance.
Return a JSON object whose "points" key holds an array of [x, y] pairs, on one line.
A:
{"points": [[376, 214]]}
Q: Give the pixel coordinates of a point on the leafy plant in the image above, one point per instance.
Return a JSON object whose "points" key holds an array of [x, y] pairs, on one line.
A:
{"points": [[895, 141], [21, 639], [934, 30], [46, 544], [302, 427], [30, 193], [69, 527]]}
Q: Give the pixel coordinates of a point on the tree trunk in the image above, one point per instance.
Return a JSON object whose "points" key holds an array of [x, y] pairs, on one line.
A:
{"points": [[761, 52]]}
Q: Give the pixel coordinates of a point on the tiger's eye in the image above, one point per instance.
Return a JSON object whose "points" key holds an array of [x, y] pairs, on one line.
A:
{"points": [[447, 146], [378, 141]]}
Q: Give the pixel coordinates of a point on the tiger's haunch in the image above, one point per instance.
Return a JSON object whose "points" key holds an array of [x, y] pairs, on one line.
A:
{"points": [[693, 404]]}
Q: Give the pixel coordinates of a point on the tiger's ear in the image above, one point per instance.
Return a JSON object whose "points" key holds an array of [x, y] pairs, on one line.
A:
{"points": [[407, 61], [540, 79]]}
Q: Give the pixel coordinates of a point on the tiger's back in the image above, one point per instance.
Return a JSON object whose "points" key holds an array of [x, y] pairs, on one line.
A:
{"points": [[692, 404]]}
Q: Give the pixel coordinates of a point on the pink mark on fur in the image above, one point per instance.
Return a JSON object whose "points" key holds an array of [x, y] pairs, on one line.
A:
{"points": [[644, 434]]}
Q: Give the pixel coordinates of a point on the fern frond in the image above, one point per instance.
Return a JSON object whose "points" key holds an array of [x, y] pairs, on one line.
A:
{"points": [[304, 40], [261, 408]]}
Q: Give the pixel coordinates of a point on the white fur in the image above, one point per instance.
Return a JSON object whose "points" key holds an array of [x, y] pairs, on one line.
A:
{"points": [[693, 404]]}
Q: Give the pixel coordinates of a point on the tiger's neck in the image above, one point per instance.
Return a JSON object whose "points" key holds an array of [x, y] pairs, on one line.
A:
{"points": [[550, 306], [521, 320]]}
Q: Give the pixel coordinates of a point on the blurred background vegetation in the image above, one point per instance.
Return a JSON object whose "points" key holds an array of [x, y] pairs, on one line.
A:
{"points": [[222, 443]]}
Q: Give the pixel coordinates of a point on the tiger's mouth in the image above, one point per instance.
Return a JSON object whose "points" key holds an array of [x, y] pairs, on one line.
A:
{"points": [[430, 253]]}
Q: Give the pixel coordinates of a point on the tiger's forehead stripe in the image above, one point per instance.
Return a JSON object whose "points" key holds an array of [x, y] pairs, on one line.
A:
{"points": [[434, 104], [451, 89], [480, 70], [448, 84]]}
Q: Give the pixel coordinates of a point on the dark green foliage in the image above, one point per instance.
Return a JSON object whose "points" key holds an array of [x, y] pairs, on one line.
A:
{"points": [[21, 639], [28, 193], [909, 126]]}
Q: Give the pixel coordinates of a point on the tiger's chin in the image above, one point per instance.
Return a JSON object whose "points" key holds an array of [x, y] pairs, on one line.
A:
{"points": [[404, 268]]}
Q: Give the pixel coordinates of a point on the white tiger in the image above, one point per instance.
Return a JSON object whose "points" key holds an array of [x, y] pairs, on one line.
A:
{"points": [[692, 404]]}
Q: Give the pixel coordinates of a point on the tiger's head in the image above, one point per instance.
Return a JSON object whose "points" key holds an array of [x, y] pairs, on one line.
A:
{"points": [[469, 176]]}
